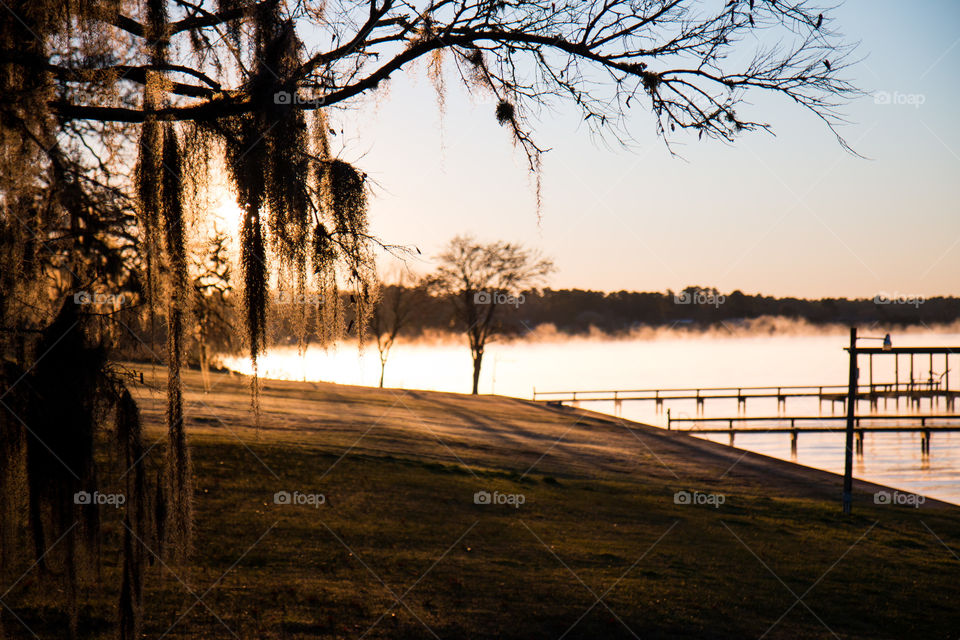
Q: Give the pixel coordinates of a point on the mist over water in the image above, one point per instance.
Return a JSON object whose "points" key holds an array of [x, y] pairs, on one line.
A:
{"points": [[768, 352]]}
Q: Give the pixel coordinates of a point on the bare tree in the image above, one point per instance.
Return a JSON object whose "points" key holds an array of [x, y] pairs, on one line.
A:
{"points": [[212, 304], [692, 60], [478, 279], [393, 313]]}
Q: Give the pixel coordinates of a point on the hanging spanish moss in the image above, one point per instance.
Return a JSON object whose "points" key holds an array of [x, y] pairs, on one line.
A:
{"points": [[149, 168], [506, 114], [62, 408], [56, 381], [344, 200], [303, 210], [304, 227], [147, 178], [49, 473], [178, 480], [135, 520], [287, 193], [321, 134], [480, 78], [245, 157]]}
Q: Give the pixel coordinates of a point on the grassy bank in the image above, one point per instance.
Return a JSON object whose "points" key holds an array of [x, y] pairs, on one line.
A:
{"points": [[598, 548]]}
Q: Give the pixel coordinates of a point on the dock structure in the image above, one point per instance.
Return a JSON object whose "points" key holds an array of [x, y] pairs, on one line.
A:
{"points": [[911, 392], [930, 385], [925, 425]]}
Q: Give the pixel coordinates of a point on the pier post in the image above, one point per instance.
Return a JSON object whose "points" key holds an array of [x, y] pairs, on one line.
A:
{"points": [[851, 414], [859, 442], [668, 419], [946, 382], [793, 444], [925, 442], [911, 381], [896, 378]]}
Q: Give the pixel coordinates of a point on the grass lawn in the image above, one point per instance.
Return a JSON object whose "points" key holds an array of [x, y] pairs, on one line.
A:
{"points": [[598, 548]]}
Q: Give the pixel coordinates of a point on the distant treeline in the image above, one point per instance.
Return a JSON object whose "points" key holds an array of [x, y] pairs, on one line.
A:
{"points": [[577, 311]]}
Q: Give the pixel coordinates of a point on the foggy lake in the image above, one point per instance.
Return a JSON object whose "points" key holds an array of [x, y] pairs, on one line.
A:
{"points": [[546, 361]]}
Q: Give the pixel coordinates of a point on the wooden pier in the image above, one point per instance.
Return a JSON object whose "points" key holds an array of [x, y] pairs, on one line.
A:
{"points": [[932, 386], [925, 425], [912, 393]]}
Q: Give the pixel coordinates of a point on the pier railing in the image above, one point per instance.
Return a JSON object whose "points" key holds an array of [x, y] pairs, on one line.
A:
{"points": [[692, 393], [815, 424], [913, 391], [925, 425]]}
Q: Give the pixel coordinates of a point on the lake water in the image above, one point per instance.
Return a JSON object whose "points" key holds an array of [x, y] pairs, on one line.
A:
{"points": [[675, 359]]}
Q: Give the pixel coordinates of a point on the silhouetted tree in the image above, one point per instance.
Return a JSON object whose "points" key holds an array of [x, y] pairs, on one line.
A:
{"points": [[212, 307], [478, 279], [393, 313]]}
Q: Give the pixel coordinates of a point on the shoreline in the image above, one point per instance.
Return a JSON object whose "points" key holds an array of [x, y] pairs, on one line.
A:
{"points": [[793, 478], [734, 453]]}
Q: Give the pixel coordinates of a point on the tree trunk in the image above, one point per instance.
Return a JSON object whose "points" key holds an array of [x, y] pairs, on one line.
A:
{"points": [[477, 359], [383, 367], [204, 363]]}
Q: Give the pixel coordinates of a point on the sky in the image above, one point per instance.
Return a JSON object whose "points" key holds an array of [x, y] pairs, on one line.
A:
{"points": [[786, 215]]}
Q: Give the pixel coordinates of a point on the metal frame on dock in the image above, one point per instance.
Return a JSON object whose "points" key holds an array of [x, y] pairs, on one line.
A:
{"points": [[886, 349]]}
